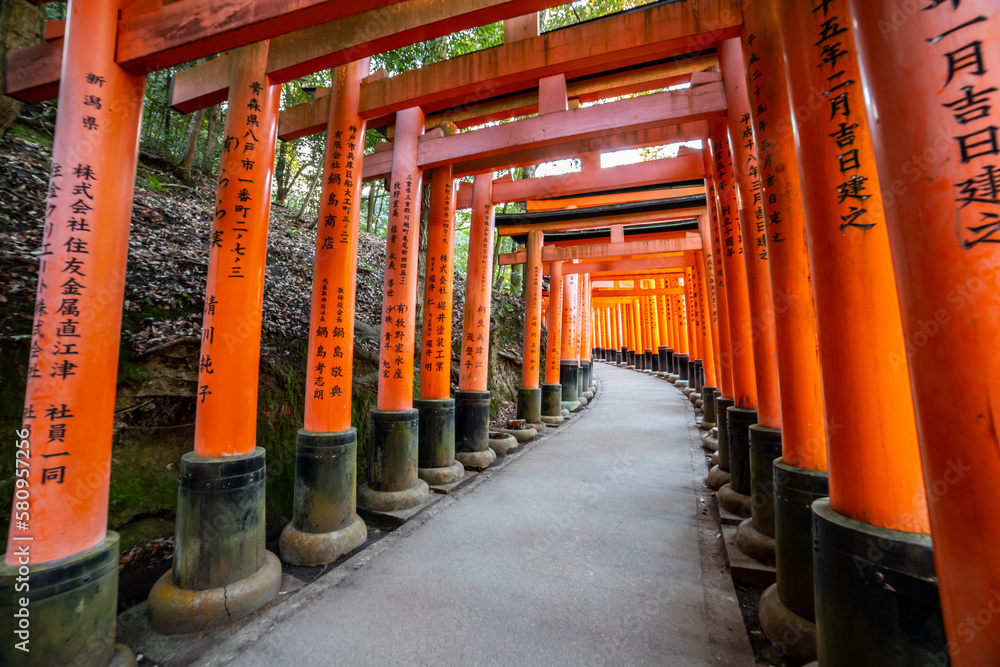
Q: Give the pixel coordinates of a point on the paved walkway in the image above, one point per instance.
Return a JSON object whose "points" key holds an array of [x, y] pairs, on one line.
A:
{"points": [[592, 547]]}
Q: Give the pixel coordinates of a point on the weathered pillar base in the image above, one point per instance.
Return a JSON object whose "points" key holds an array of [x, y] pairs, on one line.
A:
{"points": [[476, 460], [661, 360], [681, 366], [754, 543], [522, 435], [656, 364], [436, 462], [472, 429], [552, 404], [793, 611], [739, 421], [717, 478], [324, 525], [392, 484], [72, 612], [568, 372], [765, 447], [708, 395], [529, 405], [586, 371], [722, 406], [787, 631], [501, 443], [221, 570], [733, 502], [310, 549], [876, 594]]}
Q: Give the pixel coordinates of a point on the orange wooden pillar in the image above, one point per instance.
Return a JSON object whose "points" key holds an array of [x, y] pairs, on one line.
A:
{"points": [[552, 387], [324, 523], [664, 342], [877, 498], [719, 476], [755, 435], [569, 363], [799, 475], [711, 239], [214, 567], [586, 338], [704, 291], [682, 353], [619, 333], [656, 339], [472, 400], [436, 462], [58, 529], [936, 80], [529, 396], [393, 447], [741, 413], [640, 334]]}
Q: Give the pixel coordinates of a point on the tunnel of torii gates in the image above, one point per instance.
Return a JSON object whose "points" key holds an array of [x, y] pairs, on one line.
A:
{"points": [[820, 277]]}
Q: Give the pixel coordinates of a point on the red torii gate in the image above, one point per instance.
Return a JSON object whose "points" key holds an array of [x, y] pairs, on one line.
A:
{"points": [[787, 28]]}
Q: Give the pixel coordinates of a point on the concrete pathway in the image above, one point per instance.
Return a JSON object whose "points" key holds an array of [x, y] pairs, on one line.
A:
{"points": [[595, 546]]}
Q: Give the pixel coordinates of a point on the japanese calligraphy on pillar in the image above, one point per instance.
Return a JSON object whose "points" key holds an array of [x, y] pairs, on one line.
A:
{"points": [[437, 307], [64, 313], [960, 50], [753, 171], [237, 251], [396, 313], [331, 340], [844, 109], [731, 238]]}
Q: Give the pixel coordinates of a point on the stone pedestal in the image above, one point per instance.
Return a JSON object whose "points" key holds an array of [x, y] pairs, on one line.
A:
{"points": [[436, 462], [221, 571], [392, 484], [325, 524], [876, 594], [72, 610]]}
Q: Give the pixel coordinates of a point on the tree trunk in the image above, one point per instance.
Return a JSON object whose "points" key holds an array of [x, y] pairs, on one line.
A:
{"points": [[312, 186], [371, 207], [187, 162], [280, 171], [212, 140], [21, 24]]}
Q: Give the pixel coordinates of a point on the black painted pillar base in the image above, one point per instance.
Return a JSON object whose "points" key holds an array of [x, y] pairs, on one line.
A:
{"points": [[552, 404], [472, 421], [623, 355], [877, 599], [795, 490], [631, 358], [682, 369], [569, 371], [661, 358], [393, 484], [656, 364], [436, 462], [586, 379], [640, 361], [765, 447], [71, 612], [739, 421], [647, 360], [708, 407], [699, 375], [325, 524], [529, 405], [221, 571], [722, 405]]}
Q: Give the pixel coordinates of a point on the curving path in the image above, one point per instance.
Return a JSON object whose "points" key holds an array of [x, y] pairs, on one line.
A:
{"points": [[594, 546]]}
